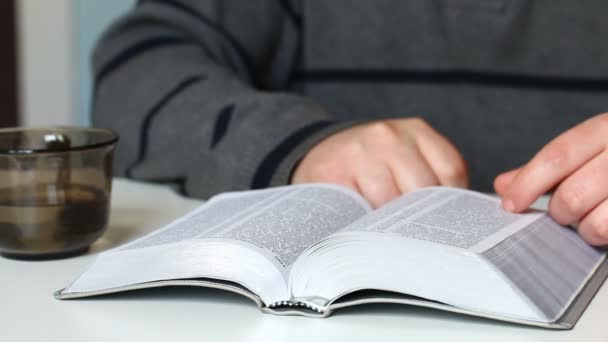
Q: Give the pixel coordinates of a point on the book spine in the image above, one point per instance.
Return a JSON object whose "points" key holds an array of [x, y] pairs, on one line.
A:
{"points": [[296, 303]]}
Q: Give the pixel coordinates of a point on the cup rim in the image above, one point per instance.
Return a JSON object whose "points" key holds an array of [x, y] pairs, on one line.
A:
{"points": [[112, 139]]}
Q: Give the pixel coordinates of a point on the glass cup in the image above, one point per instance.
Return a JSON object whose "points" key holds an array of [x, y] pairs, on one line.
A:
{"points": [[55, 188]]}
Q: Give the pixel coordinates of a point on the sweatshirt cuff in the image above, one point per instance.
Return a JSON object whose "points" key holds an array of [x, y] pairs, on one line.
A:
{"points": [[277, 167]]}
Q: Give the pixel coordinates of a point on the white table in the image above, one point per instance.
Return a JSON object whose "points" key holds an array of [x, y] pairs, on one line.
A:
{"points": [[28, 311]]}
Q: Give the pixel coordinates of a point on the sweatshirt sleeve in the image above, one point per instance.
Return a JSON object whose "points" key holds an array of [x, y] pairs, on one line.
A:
{"points": [[195, 89]]}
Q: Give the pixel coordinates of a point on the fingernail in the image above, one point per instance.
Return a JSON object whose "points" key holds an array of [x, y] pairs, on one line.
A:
{"points": [[508, 205]]}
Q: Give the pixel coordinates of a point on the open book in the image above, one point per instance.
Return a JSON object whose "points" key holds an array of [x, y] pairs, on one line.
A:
{"points": [[310, 249]]}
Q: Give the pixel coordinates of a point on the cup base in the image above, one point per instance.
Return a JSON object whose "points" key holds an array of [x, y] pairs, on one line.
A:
{"points": [[45, 256]]}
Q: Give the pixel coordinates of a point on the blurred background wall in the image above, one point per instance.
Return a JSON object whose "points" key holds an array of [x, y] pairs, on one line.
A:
{"points": [[54, 42], [90, 19]]}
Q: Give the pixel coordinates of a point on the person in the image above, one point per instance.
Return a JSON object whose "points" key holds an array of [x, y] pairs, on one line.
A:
{"points": [[381, 96]]}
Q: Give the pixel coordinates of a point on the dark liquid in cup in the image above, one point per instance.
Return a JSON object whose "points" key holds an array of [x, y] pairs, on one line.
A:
{"points": [[42, 220]]}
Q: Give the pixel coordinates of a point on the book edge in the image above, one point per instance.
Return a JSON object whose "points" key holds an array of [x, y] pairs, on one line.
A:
{"points": [[565, 322], [446, 307], [221, 285], [584, 297]]}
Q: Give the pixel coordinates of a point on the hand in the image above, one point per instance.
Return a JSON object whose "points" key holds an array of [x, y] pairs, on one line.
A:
{"points": [[576, 162], [384, 159]]}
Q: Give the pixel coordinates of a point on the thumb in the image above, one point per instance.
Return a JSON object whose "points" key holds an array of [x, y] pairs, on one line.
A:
{"points": [[503, 181]]}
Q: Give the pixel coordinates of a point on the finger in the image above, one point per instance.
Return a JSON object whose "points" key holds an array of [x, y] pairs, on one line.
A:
{"points": [[594, 227], [582, 191], [443, 158], [410, 169], [376, 183], [503, 180], [553, 163]]}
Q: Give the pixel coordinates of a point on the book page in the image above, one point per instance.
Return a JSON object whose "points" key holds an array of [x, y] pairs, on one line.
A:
{"points": [[453, 217], [279, 222], [292, 222], [204, 220], [523, 266], [416, 245], [249, 237]]}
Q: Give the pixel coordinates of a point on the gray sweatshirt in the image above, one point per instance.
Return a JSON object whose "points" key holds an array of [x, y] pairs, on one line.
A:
{"points": [[220, 95]]}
